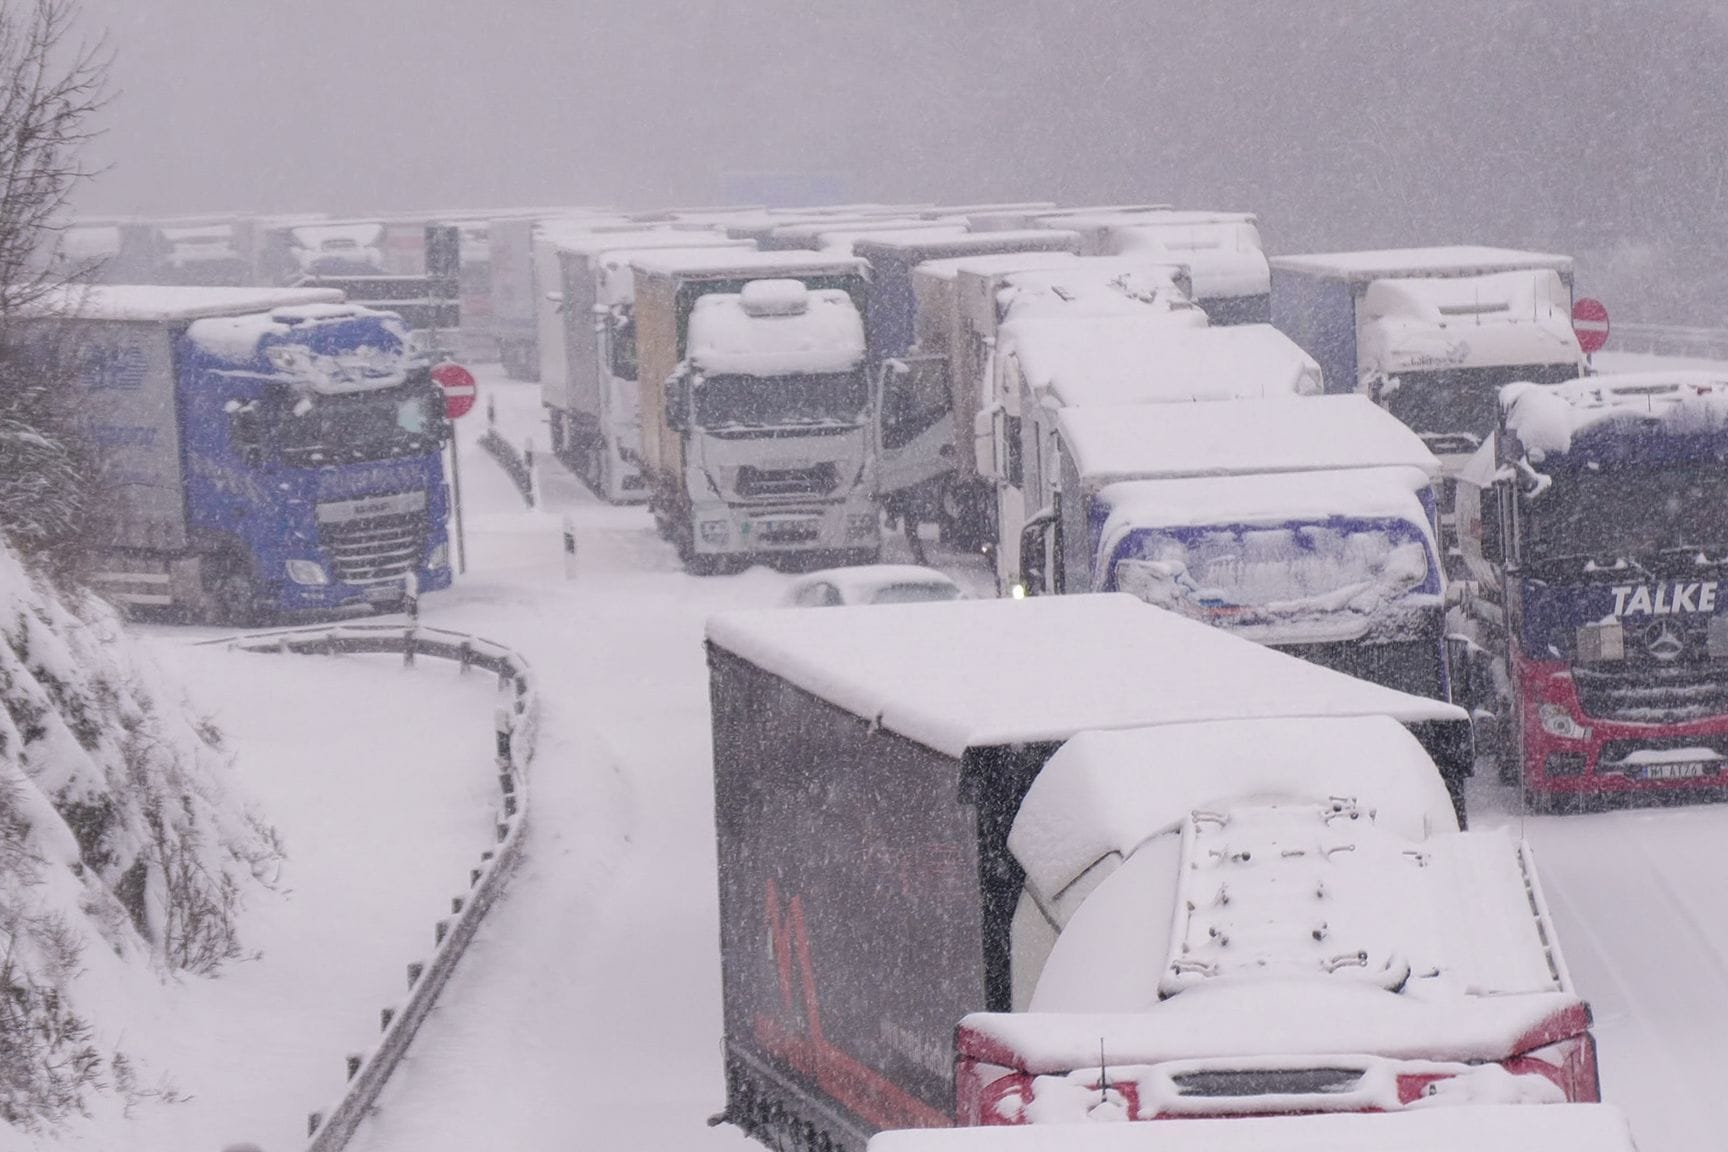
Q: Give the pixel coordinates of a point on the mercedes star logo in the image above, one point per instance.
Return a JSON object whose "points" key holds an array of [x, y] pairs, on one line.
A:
{"points": [[1663, 640]]}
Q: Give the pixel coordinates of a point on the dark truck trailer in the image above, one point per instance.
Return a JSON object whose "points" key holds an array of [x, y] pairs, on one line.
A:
{"points": [[868, 766]]}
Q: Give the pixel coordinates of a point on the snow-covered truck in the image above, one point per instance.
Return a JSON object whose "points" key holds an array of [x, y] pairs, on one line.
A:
{"points": [[1267, 917], [1470, 1128], [260, 451], [1594, 530], [1308, 524], [1226, 261], [515, 291], [964, 500], [916, 437], [869, 766], [755, 401], [987, 295], [588, 378], [1432, 333], [1045, 363]]}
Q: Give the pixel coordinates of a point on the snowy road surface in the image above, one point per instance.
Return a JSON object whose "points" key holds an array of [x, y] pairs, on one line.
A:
{"points": [[587, 1012]]}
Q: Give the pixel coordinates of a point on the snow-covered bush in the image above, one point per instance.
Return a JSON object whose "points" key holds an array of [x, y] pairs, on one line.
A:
{"points": [[117, 831]]}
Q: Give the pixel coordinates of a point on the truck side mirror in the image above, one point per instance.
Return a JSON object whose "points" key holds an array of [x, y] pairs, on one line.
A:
{"points": [[1499, 521], [1034, 574], [677, 399], [245, 432]]}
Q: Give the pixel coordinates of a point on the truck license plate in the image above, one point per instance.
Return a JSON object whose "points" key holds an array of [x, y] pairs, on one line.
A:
{"points": [[1684, 770], [383, 593]]}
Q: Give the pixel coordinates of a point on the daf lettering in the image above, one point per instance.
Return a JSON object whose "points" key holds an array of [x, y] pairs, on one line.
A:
{"points": [[1665, 599]]}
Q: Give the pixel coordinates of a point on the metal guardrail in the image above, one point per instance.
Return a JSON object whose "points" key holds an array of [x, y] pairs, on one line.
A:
{"points": [[516, 722], [518, 465], [1671, 340]]}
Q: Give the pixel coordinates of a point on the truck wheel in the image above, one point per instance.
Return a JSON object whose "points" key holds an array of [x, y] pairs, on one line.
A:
{"points": [[231, 597], [555, 433]]}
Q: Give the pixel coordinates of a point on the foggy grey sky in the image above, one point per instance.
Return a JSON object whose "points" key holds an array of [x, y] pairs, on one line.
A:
{"points": [[1343, 122]]}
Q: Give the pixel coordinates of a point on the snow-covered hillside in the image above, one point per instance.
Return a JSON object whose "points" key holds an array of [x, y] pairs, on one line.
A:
{"points": [[123, 847]]}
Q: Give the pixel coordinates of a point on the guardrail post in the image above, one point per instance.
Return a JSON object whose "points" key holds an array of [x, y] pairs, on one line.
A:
{"points": [[528, 471], [411, 605], [569, 549], [385, 1016], [314, 1121], [501, 724], [440, 930], [415, 970], [354, 1062]]}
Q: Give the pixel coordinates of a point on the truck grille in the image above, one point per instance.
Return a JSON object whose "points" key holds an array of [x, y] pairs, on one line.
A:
{"points": [[379, 548], [1652, 693], [786, 483]]}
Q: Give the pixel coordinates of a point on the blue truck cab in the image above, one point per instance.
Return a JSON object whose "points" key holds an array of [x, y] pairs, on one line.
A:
{"points": [[261, 452]]}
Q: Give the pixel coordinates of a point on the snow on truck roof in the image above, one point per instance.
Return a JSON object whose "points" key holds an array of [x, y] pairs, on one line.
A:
{"points": [[616, 267], [848, 239], [725, 263], [1548, 418], [1278, 434], [961, 674], [1503, 318], [598, 243], [1458, 1128], [164, 304], [1461, 260], [1156, 359], [1106, 792], [775, 328], [995, 263], [925, 247], [1266, 500]]}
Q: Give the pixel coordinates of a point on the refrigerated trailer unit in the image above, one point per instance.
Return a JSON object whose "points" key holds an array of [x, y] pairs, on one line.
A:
{"points": [[868, 766]]}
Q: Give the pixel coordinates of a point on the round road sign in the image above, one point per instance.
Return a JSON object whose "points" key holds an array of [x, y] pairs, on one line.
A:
{"points": [[459, 388], [1590, 322]]}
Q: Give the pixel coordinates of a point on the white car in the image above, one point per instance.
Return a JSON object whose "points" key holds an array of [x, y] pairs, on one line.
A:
{"points": [[871, 584]]}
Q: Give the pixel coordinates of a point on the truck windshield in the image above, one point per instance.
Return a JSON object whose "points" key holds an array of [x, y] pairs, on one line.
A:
{"points": [[1454, 409], [1667, 515], [313, 430], [778, 401], [1299, 582]]}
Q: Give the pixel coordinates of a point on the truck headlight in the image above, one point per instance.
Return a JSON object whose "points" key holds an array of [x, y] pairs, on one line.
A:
{"points": [[1556, 721], [715, 531], [439, 557], [1602, 641], [307, 572], [862, 524]]}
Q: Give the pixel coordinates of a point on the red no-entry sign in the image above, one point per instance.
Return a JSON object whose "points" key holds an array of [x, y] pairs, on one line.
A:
{"points": [[1590, 322], [459, 387]]}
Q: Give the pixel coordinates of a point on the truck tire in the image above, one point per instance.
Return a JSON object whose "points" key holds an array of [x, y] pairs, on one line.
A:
{"points": [[555, 433], [231, 593]]}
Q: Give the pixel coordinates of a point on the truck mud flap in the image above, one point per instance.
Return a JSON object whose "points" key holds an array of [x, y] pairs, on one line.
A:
{"points": [[771, 1107]]}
